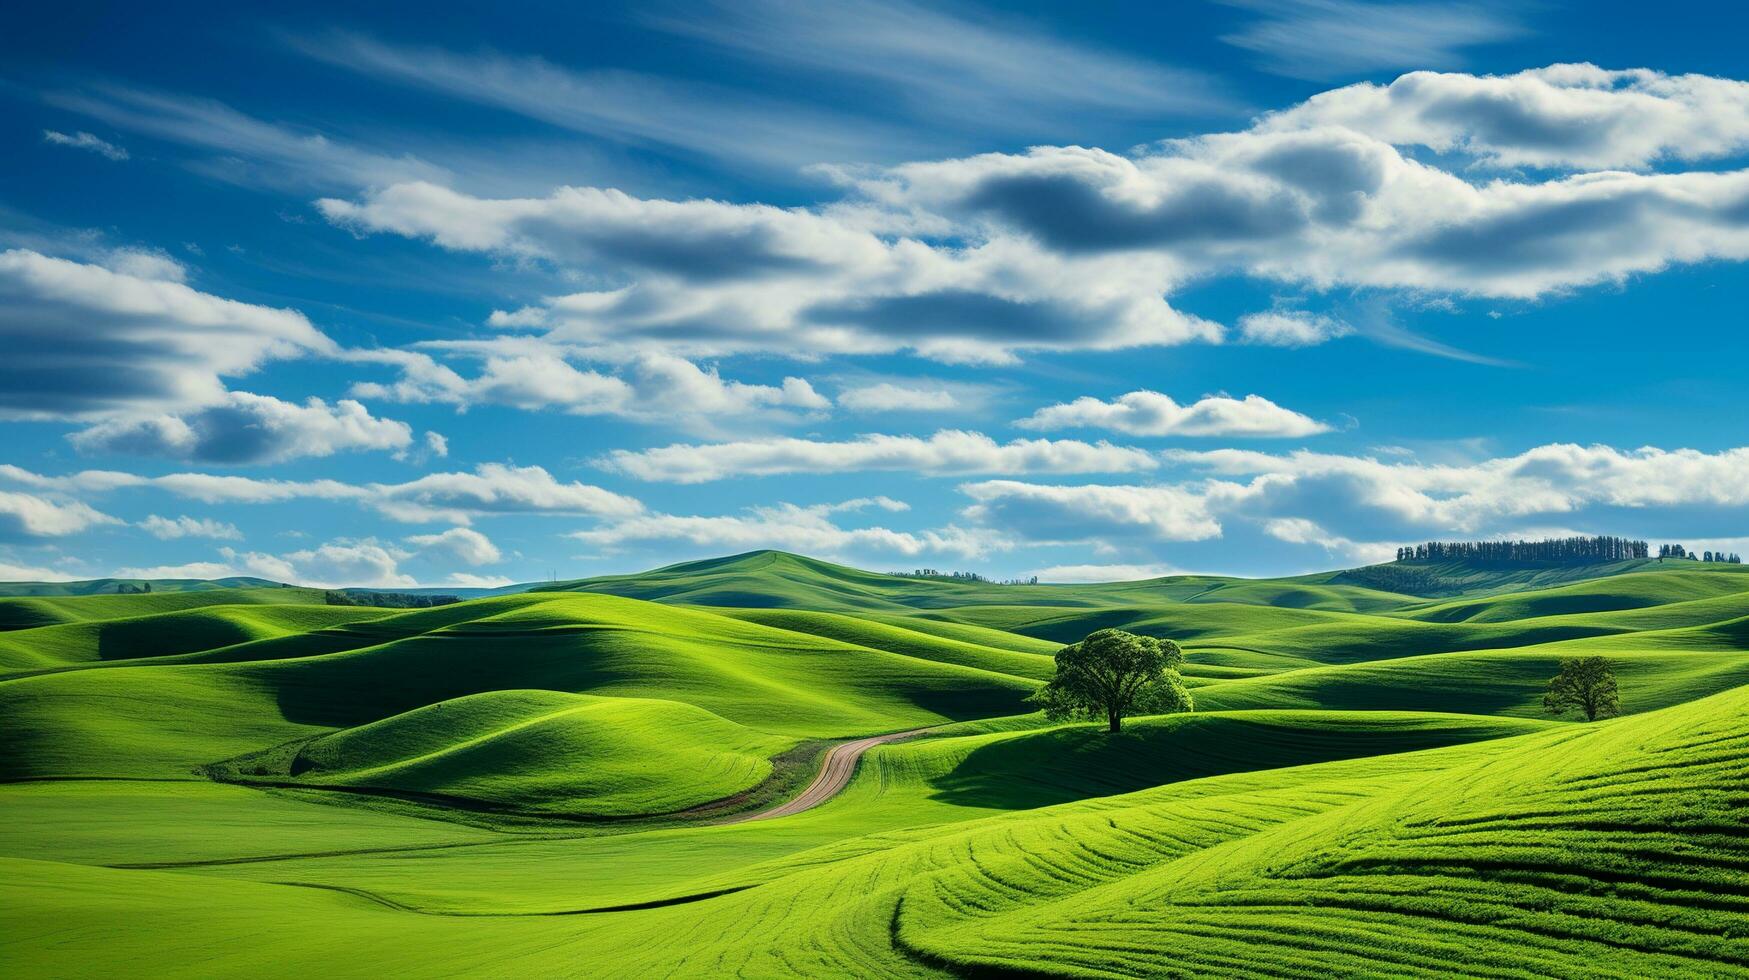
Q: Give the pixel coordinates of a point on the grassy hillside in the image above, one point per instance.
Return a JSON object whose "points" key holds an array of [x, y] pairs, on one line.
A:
{"points": [[1369, 785], [537, 751], [105, 586]]}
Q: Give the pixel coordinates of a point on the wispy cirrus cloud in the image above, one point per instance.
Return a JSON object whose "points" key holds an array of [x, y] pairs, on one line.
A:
{"points": [[625, 106], [953, 66], [86, 141], [1322, 39]]}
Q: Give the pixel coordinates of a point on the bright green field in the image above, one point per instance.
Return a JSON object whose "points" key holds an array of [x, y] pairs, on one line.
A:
{"points": [[222, 781]]}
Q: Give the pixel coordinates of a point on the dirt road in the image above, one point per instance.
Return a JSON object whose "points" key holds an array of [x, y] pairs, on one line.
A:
{"points": [[834, 776]]}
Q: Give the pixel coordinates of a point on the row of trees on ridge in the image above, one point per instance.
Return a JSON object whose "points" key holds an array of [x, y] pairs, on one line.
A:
{"points": [[1574, 550]]}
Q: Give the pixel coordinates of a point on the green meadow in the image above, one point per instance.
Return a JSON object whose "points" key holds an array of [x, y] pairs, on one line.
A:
{"points": [[233, 778]]}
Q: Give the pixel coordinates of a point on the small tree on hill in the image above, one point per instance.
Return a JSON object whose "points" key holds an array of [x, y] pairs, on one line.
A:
{"points": [[1111, 674], [1586, 683]]}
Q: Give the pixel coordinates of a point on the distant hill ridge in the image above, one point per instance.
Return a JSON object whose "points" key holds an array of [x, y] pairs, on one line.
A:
{"points": [[783, 580]]}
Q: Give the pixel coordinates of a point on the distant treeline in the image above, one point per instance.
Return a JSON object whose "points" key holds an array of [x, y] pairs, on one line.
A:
{"points": [[1678, 551], [964, 577], [1557, 551], [387, 600], [1560, 551]]}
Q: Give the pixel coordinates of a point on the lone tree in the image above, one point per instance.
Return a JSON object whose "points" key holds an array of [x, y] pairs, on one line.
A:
{"points": [[1586, 683], [1111, 674]]}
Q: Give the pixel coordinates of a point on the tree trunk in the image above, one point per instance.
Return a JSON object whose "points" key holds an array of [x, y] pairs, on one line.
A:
{"points": [[1115, 721]]}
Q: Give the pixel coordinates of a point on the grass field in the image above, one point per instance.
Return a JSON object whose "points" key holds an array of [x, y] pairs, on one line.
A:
{"points": [[219, 780]]}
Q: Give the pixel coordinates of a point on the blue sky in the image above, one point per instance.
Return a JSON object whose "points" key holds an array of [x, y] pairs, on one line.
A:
{"points": [[1257, 286]]}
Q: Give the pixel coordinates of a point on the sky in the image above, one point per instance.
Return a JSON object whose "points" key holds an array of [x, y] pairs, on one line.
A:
{"points": [[330, 294]]}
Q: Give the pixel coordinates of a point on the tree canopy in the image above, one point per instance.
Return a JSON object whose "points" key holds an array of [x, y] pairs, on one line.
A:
{"points": [[1585, 683], [1112, 674]]}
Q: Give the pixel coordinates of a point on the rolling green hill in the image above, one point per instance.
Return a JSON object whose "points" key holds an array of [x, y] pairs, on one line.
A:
{"points": [[622, 756], [108, 586], [246, 780]]}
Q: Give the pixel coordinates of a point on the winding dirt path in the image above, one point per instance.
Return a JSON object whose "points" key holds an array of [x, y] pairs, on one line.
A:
{"points": [[834, 775]]}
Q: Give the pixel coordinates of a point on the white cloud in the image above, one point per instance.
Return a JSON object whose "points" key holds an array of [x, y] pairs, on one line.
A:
{"points": [[1290, 329], [1331, 207], [13, 572], [170, 528], [342, 563], [468, 580], [1563, 116], [492, 488], [981, 259], [1104, 573], [461, 544], [809, 530], [535, 375], [885, 396], [24, 515], [708, 278], [1378, 499], [86, 341], [1360, 507], [1042, 513], [365, 564], [248, 428], [1319, 39], [1149, 413], [1300, 530], [86, 141], [946, 453], [187, 570]]}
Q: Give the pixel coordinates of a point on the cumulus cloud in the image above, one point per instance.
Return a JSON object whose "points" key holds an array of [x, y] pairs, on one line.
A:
{"points": [[1149, 413], [1300, 530], [1356, 495], [810, 530], [984, 258], [171, 528], [1290, 329], [366, 563], [342, 563], [24, 515], [248, 428], [885, 396], [462, 544], [1331, 207], [1104, 573], [491, 488], [10, 572], [946, 453], [1048, 514], [83, 340], [187, 570], [533, 375], [709, 277], [494, 488], [469, 580], [1361, 507], [1577, 117], [86, 141]]}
